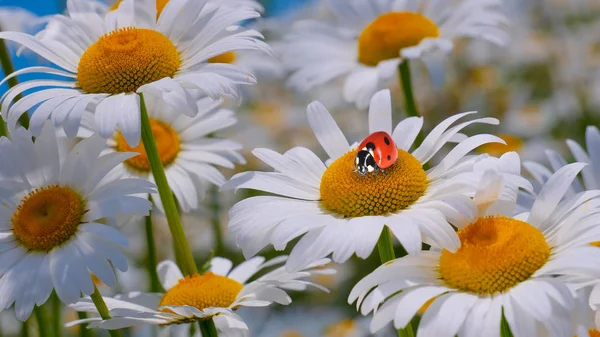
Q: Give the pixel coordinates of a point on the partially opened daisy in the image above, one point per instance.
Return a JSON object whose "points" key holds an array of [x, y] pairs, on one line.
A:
{"points": [[186, 148], [107, 58], [590, 173], [516, 267], [340, 211], [215, 295], [51, 219], [371, 37]]}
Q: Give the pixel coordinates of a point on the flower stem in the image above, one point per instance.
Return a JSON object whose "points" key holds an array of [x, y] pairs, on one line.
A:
{"points": [[8, 69], [103, 310], [43, 327], [25, 329], [188, 266], [504, 327], [208, 328], [409, 99], [56, 315], [215, 220], [385, 246], [151, 259], [83, 332]]}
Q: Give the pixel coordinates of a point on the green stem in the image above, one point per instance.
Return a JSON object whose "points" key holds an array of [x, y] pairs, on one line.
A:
{"points": [[8, 69], [151, 260], [56, 315], [385, 246], [83, 331], [504, 327], [406, 80], [208, 328], [407, 331], [188, 265], [25, 329], [103, 310], [216, 223], [43, 327], [409, 99]]}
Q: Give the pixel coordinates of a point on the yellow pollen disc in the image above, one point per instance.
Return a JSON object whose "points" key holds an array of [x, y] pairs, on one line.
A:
{"points": [[497, 149], [48, 217], [496, 254], [203, 291], [228, 57], [348, 194], [160, 4], [167, 142], [343, 328], [125, 59], [383, 38], [595, 244]]}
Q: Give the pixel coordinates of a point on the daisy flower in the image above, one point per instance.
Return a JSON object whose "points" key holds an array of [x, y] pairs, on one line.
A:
{"points": [[107, 59], [372, 37], [590, 173], [342, 212], [508, 266], [215, 294], [186, 148], [51, 231]]}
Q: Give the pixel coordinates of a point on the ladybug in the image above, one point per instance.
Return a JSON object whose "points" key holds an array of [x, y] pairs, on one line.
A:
{"points": [[377, 152]]}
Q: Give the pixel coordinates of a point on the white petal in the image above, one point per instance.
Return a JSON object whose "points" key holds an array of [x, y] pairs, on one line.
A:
{"points": [[380, 112], [327, 131], [169, 274]]}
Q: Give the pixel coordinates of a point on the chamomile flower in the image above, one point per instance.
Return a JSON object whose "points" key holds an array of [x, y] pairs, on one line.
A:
{"points": [[372, 37], [590, 173], [342, 212], [107, 59], [51, 235], [215, 294], [512, 266], [187, 152]]}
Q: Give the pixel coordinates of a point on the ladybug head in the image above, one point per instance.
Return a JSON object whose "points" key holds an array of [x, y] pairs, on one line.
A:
{"points": [[364, 162]]}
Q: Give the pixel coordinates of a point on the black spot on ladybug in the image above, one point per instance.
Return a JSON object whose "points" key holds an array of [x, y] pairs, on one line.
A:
{"points": [[386, 140], [370, 146], [389, 157]]}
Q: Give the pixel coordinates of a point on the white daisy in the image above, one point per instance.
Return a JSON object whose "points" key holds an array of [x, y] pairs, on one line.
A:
{"points": [[186, 148], [51, 235], [215, 294], [101, 57], [372, 37], [590, 173], [505, 266], [342, 212]]}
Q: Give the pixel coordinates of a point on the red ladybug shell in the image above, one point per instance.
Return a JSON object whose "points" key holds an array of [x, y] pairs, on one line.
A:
{"points": [[383, 148]]}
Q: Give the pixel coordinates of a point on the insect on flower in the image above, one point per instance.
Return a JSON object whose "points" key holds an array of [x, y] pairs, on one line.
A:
{"points": [[377, 152]]}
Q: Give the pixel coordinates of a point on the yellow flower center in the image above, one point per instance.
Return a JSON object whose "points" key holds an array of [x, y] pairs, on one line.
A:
{"points": [[383, 38], [496, 254], [48, 217], [497, 149], [348, 194], [595, 244], [160, 4], [228, 57], [167, 143], [202, 291], [125, 59], [594, 333], [343, 328]]}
